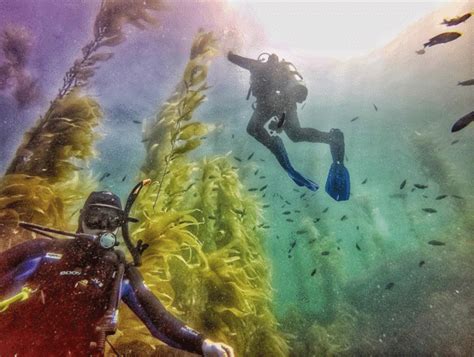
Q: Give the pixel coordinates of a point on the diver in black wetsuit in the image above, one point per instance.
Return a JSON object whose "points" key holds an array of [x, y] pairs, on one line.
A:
{"points": [[278, 88], [59, 297]]}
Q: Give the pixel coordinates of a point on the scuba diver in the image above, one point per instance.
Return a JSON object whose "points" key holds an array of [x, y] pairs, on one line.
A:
{"points": [[60, 297], [278, 87]]}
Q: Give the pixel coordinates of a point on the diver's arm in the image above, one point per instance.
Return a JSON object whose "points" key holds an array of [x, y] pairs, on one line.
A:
{"points": [[244, 62], [20, 262], [154, 315]]}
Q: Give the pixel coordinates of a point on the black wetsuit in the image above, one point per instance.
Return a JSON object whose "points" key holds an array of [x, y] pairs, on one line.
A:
{"points": [[71, 282], [270, 84]]}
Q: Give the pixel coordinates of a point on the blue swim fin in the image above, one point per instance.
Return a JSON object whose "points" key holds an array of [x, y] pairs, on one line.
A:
{"points": [[338, 184], [300, 180]]}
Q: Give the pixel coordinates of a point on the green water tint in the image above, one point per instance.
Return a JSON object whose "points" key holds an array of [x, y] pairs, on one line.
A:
{"points": [[367, 276]]}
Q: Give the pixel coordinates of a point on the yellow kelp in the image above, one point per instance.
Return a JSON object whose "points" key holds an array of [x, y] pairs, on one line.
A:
{"points": [[42, 181], [205, 261]]}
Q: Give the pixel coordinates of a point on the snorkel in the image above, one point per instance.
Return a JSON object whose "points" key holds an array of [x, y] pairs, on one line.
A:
{"points": [[106, 240]]}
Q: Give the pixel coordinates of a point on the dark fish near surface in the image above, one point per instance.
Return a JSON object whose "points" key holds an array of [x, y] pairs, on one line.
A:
{"points": [[440, 197], [375, 107], [262, 177], [287, 212], [238, 159], [469, 82], [250, 156], [354, 119], [297, 211], [124, 178], [442, 38], [436, 242], [458, 197], [325, 210], [302, 231], [463, 122], [292, 245], [316, 220], [105, 175], [456, 20], [311, 241], [357, 227], [233, 136], [364, 182], [302, 195], [425, 196], [263, 187], [256, 172], [265, 206], [313, 272], [253, 189], [389, 286], [454, 142], [413, 189], [421, 263], [325, 253], [137, 121], [402, 185], [357, 246], [429, 210], [289, 220], [421, 187], [343, 218]]}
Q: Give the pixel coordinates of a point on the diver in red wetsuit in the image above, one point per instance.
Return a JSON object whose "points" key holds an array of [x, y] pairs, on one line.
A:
{"points": [[59, 297]]}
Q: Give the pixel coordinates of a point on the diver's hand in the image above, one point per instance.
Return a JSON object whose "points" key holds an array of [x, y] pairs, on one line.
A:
{"points": [[216, 349], [229, 54]]}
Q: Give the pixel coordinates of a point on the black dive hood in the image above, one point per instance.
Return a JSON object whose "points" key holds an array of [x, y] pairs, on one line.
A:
{"points": [[106, 240]]}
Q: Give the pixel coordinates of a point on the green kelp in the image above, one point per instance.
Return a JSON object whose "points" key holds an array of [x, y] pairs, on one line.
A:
{"points": [[205, 261], [42, 182]]}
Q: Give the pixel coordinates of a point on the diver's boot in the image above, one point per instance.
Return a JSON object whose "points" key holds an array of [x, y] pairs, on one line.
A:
{"points": [[278, 149], [338, 181]]}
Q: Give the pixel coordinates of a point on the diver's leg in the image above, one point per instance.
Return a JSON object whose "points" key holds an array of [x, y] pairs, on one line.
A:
{"points": [[335, 137], [256, 129]]}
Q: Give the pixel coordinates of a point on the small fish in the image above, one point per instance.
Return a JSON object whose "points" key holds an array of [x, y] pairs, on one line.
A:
{"points": [[137, 121], [253, 189], [233, 136], [302, 231], [263, 187], [469, 82], [343, 218], [454, 142], [239, 211], [413, 189], [357, 246], [287, 212], [105, 175], [375, 107], [357, 227], [265, 227], [288, 203], [420, 186], [311, 241], [278, 237], [297, 211], [124, 178], [458, 197], [211, 177], [264, 195], [289, 256], [238, 159], [250, 156], [389, 286], [211, 217], [436, 242], [302, 195], [338, 248], [463, 122], [325, 210], [296, 190], [429, 210], [456, 20], [262, 160], [354, 119], [256, 172], [260, 225], [313, 272], [289, 220], [265, 206], [316, 220], [425, 196], [440, 197], [364, 182], [402, 185], [262, 177], [292, 245], [421, 263], [398, 195], [442, 38], [325, 253]]}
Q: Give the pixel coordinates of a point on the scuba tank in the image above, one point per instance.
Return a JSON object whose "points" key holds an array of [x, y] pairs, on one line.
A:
{"points": [[296, 87]]}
